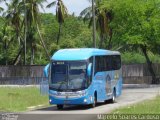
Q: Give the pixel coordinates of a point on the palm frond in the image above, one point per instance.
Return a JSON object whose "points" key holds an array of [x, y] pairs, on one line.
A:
{"points": [[15, 2], [61, 12], [86, 11], [51, 4], [87, 17], [90, 22], [42, 7], [1, 9], [41, 1]]}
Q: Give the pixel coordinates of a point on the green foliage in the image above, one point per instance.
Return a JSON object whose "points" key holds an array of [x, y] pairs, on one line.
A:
{"points": [[74, 34], [132, 57], [103, 17], [54, 48], [50, 26], [135, 22], [155, 58], [135, 57], [67, 43], [61, 14]]}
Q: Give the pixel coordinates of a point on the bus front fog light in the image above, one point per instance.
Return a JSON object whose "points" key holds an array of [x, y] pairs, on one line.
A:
{"points": [[50, 100], [85, 100]]}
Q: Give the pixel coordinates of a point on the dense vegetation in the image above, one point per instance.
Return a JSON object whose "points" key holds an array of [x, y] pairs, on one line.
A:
{"points": [[30, 37], [74, 34], [132, 27]]}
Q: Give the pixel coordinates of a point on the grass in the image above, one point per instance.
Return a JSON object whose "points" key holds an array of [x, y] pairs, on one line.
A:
{"points": [[14, 99], [146, 107]]}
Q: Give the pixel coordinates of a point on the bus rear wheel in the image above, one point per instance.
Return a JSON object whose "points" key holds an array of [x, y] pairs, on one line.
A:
{"points": [[59, 107]]}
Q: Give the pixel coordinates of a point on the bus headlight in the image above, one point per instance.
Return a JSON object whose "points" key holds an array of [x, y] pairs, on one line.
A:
{"points": [[85, 100], [81, 93], [53, 94]]}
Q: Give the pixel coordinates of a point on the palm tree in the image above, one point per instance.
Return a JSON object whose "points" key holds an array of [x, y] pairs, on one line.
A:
{"points": [[16, 16], [5, 40], [103, 19], [33, 22], [13, 18], [61, 13]]}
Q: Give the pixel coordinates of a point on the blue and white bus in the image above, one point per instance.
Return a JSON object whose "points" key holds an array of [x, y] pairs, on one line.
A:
{"points": [[84, 76]]}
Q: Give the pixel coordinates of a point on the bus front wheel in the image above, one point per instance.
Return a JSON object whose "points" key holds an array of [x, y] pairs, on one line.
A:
{"points": [[59, 107], [94, 101], [113, 100]]}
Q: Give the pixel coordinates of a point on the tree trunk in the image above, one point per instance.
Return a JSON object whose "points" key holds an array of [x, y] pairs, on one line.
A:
{"points": [[6, 57], [25, 32], [17, 59], [59, 33], [149, 63], [32, 54], [42, 42], [101, 41], [110, 40]]}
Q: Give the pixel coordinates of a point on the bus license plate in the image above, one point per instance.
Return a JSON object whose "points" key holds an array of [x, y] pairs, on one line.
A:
{"points": [[66, 102]]}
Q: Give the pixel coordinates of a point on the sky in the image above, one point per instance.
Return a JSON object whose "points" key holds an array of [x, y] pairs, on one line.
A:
{"points": [[75, 6]]}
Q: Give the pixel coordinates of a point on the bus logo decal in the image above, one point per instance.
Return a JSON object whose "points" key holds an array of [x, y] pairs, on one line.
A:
{"points": [[108, 84]]}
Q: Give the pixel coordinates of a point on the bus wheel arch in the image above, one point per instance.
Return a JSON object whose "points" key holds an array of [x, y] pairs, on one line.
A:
{"points": [[95, 96], [60, 106]]}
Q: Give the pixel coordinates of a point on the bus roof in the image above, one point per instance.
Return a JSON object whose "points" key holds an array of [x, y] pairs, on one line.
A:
{"points": [[81, 53]]}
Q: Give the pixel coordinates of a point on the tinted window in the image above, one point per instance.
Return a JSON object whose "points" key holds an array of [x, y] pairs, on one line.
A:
{"points": [[108, 63], [116, 62], [58, 73]]}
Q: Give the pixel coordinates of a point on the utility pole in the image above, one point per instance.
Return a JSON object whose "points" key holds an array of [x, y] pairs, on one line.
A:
{"points": [[94, 24]]}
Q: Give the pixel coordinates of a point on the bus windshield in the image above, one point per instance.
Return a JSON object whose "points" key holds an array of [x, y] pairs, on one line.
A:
{"points": [[69, 75]]}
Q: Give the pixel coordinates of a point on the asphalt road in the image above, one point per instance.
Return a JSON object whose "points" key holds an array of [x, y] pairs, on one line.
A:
{"points": [[129, 96]]}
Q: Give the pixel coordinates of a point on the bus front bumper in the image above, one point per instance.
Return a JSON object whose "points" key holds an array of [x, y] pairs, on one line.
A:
{"points": [[70, 100]]}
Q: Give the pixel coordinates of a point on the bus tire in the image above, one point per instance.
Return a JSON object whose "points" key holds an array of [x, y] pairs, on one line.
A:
{"points": [[113, 100], [94, 101], [59, 107]]}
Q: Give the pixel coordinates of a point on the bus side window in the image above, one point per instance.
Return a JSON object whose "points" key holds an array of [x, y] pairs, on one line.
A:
{"points": [[96, 64], [100, 63], [108, 63], [116, 62]]}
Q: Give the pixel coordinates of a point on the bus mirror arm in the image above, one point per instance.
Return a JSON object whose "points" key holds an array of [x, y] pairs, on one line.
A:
{"points": [[89, 70]]}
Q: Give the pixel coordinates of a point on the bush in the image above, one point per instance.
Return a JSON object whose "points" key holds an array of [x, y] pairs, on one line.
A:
{"points": [[132, 57]]}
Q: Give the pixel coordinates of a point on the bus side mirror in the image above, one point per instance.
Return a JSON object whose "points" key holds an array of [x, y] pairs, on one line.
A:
{"points": [[46, 70], [89, 69]]}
